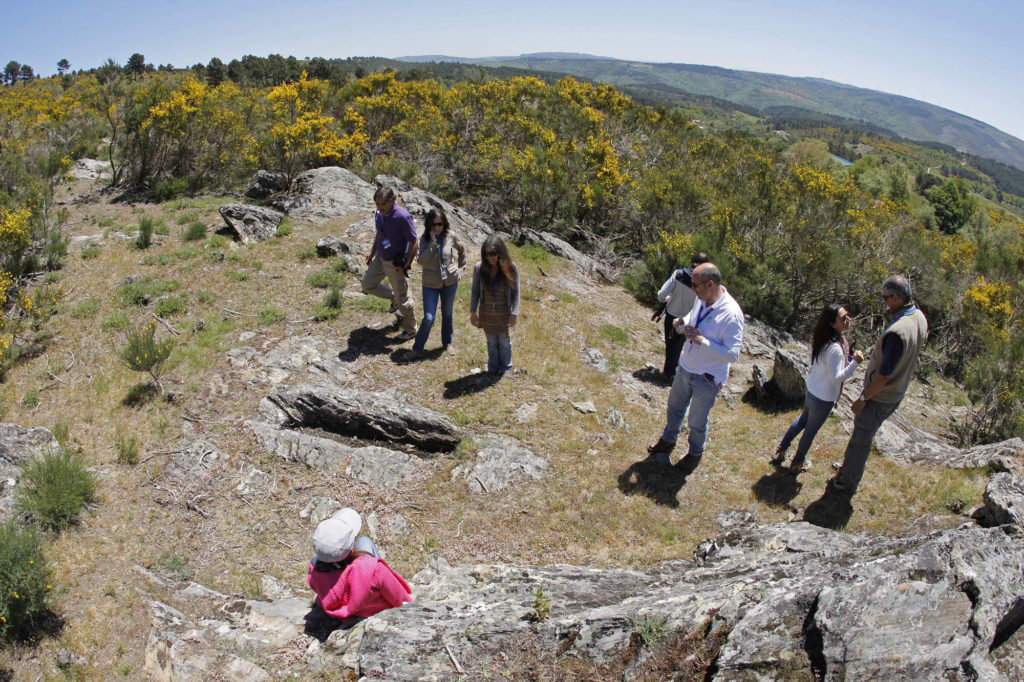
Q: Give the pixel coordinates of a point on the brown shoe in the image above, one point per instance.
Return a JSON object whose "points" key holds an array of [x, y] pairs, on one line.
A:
{"points": [[778, 457]]}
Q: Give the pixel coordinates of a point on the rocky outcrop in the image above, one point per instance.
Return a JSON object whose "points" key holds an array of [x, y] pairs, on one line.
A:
{"points": [[265, 183], [379, 466], [1003, 501], [789, 372], [331, 246], [499, 461], [18, 444], [359, 414], [757, 602], [324, 193], [251, 223], [591, 267]]}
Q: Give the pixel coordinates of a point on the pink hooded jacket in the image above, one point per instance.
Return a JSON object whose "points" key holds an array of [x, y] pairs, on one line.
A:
{"points": [[364, 587]]}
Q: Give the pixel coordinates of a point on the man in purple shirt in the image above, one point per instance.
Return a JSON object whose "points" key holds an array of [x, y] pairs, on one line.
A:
{"points": [[391, 256]]}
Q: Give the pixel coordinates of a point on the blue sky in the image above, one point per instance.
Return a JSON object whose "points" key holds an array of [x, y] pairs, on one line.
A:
{"points": [[964, 56]]}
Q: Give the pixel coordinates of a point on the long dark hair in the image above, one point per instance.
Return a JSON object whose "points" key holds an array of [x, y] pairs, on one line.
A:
{"points": [[823, 331], [505, 265], [433, 215]]}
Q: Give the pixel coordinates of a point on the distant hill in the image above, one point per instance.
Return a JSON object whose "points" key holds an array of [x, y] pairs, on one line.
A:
{"points": [[772, 94]]}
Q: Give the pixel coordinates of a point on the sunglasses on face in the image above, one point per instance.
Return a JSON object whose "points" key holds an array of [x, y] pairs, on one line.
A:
{"points": [[490, 253], [845, 318], [437, 224]]}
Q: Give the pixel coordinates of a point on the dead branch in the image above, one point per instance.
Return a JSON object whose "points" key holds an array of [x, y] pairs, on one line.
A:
{"points": [[166, 324]]}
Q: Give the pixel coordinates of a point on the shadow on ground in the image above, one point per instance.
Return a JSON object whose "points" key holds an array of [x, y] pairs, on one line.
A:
{"points": [[649, 375], [406, 356], [660, 482], [471, 383], [369, 341], [319, 625], [769, 400], [140, 394], [832, 510], [778, 488]]}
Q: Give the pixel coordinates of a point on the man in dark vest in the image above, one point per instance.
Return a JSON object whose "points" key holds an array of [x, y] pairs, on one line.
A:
{"points": [[893, 360]]}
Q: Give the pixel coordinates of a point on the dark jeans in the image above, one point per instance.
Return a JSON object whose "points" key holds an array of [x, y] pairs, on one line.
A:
{"points": [[865, 426], [673, 346], [816, 411]]}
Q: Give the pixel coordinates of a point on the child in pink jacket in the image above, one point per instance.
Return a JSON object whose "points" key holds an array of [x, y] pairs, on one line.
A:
{"points": [[348, 575]]}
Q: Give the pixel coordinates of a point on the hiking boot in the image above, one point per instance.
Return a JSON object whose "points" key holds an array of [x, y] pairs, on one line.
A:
{"points": [[799, 467], [689, 463], [405, 336], [834, 484], [778, 457], [661, 447]]}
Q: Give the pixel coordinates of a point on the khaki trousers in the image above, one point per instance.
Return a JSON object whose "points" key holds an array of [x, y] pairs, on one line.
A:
{"points": [[398, 293]]}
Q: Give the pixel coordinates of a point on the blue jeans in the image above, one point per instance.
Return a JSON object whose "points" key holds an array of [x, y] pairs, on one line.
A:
{"points": [[698, 392], [430, 298], [865, 426], [499, 352], [816, 411]]}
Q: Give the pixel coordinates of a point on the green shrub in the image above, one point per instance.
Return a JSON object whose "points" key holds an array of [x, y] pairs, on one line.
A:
{"points": [[31, 398], [194, 232], [139, 293], [534, 252], [24, 581], [306, 252], [164, 190], [205, 296], [285, 228], [172, 305], [144, 353], [127, 448], [145, 236], [330, 308], [324, 279], [62, 432], [237, 275], [217, 241], [340, 264], [272, 314], [52, 277], [55, 488], [651, 630], [376, 304], [115, 321], [91, 251], [87, 308]]}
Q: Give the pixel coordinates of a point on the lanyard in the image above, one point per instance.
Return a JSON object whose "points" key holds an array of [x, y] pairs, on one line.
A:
{"points": [[703, 313]]}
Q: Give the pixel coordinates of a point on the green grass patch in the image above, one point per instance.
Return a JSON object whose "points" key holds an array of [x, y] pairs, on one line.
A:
{"points": [[188, 217], [194, 232], [285, 228], [271, 314], [616, 334], [127, 447], [374, 304], [205, 296], [306, 253], [52, 277], [324, 279], [145, 289], [115, 322], [170, 306], [55, 488], [85, 309], [237, 275], [145, 235], [217, 241], [172, 257], [91, 251], [534, 253], [330, 307]]}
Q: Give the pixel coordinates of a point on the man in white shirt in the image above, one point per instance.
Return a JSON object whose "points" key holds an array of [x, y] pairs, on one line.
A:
{"points": [[678, 296], [714, 334]]}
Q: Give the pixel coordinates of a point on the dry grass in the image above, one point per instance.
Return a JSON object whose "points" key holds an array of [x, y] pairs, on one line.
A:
{"points": [[578, 514]]}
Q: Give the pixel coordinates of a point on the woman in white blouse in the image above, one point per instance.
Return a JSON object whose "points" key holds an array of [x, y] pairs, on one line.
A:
{"points": [[831, 365]]}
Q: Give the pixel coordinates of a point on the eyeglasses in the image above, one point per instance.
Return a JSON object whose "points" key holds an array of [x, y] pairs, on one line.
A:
{"points": [[490, 253]]}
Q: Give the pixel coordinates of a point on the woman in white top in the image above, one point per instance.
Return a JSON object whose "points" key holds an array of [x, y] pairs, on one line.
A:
{"points": [[831, 365]]}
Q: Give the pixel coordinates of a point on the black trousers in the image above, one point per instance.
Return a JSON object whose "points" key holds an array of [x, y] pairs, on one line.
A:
{"points": [[673, 346]]}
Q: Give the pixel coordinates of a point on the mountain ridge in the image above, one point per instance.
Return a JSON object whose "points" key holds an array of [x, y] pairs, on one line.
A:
{"points": [[914, 119]]}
